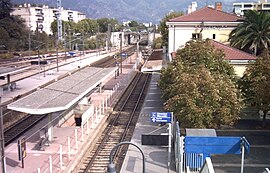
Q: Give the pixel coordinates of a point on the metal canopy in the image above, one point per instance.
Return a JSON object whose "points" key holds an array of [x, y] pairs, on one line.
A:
{"points": [[62, 94], [201, 132]]}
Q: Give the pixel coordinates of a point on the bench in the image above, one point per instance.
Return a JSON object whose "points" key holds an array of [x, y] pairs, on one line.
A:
{"points": [[43, 139]]}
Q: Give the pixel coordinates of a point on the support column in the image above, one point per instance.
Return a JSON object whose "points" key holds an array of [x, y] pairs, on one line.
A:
{"points": [[50, 127]]}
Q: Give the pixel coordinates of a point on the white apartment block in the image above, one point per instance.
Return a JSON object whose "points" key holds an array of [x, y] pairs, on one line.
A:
{"points": [[241, 7], [43, 16]]}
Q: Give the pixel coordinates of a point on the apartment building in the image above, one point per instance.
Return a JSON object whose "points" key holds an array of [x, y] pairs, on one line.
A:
{"points": [[41, 17], [241, 7]]}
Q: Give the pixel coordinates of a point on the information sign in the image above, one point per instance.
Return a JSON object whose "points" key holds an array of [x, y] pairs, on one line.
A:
{"points": [[161, 117]]}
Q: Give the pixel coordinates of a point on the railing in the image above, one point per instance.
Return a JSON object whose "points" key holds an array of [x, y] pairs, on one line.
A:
{"points": [[207, 166], [189, 162]]}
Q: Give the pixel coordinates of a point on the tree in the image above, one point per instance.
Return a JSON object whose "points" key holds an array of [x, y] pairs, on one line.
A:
{"points": [[133, 23], [103, 24], [164, 28], [17, 32], [253, 34], [202, 52], [198, 87], [255, 84], [5, 8]]}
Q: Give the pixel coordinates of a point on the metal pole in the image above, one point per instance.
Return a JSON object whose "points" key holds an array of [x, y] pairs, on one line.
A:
{"points": [[121, 53], [29, 41], [111, 166], [169, 148], [3, 159], [243, 157], [57, 55]]}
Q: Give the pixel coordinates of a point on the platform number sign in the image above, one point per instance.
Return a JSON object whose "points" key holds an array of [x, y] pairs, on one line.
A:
{"points": [[22, 149]]}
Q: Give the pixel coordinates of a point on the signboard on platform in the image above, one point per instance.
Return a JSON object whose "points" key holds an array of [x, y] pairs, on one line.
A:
{"points": [[161, 117]]}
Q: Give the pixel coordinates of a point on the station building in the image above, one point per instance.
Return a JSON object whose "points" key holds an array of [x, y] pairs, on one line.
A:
{"points": [[207, 22]]}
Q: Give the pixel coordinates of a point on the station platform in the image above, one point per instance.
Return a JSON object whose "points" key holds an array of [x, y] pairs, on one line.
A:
{"points": [[66, 133], [69, 141], [29, 81], [156, 157]]}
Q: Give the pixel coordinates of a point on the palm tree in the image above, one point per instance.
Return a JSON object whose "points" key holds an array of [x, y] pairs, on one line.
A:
{"points": [[253, 34]]}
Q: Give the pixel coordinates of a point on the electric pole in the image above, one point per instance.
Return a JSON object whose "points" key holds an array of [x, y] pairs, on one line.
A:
{"points": [[121, 52], [59, 30], [3, 158]]}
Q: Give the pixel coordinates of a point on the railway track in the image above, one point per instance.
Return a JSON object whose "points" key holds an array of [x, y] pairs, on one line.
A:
{"points": [[21, 126], [25, 122], [120, 127]]}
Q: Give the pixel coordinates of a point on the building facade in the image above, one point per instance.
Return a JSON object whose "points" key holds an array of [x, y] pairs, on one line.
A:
{"points": [[204, 23], [241, 7], [41, 17]]}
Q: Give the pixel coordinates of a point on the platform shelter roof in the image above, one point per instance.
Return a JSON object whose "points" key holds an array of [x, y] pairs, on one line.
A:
{"points": [[62, 94]]}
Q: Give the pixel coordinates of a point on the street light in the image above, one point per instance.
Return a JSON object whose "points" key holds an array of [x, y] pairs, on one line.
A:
{"points": [[111, 165]]}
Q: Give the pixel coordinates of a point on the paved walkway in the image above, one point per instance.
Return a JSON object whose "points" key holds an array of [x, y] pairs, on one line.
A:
{"points": [[156, 156]]}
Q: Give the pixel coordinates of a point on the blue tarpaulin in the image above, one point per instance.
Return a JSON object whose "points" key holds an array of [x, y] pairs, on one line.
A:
{"points": [[205, 146]]}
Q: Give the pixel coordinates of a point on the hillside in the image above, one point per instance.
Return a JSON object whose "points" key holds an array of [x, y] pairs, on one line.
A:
{"points": [[123, 10]]}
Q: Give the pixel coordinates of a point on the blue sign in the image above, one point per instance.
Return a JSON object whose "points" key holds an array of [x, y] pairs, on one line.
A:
{"points": [[161, 117], [72, 53], [123, 54]]}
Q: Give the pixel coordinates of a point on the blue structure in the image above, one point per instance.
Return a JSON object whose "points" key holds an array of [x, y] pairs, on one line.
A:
{"points": [[205, 146], [161, 117]]}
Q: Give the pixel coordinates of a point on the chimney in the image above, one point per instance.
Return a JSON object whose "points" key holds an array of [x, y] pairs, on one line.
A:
{"points": [[218, 6]]}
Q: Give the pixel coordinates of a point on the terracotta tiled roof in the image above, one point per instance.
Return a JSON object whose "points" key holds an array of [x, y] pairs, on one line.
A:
{"points": [[207, 14], [233, 53]]}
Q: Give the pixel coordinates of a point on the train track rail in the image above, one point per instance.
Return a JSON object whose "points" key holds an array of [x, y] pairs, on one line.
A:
{"points": [[25, 122], [21, 126], [120, 127]]}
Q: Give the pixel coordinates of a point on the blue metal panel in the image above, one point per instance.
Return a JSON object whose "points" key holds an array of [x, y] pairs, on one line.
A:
{"points": [[213, 145]]}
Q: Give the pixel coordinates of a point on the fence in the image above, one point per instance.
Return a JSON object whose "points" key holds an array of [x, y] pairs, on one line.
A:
{"points": [[188, 161], [65, 153]]}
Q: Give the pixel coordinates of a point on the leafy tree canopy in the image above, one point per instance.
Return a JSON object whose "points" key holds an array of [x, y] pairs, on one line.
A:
{"points": [[253, 35], [5, 8], [103, 24], [164, 28], [198, 87], [255, 84]]}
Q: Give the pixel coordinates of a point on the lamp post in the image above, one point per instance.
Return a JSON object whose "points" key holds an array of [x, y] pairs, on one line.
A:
{"points": [[3, 158], [111, 165], [121, 52]]}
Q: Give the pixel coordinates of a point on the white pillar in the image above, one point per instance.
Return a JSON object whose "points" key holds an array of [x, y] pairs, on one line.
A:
{"points": [[243, 158], [50, 127], [100, 107], [76, 139], [87, 126], [106, 102], [50, 162], [61, 157], [69, 150], [82, 132], [103, 106]]}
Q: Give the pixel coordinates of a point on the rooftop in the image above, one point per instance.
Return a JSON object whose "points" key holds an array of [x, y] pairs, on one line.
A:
{"points": [[207, 14], [233, 53], [62, 94]]}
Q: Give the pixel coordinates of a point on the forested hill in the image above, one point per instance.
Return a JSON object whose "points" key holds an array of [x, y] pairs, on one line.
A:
{"points": [[123, 10]]}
